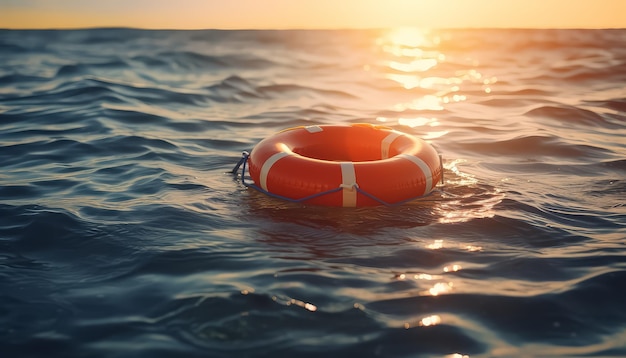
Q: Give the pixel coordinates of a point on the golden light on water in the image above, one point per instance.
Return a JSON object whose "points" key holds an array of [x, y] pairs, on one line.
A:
{"points": [[457, 211], [407, 81], [440, 288], [465, 204], [452, 268], [418, 122], [307, 306], [414, 122], [462, 179], [417, 65], [437, 244], [410, 58], [401, 37], [473, 248], [424, 276], [428, 102], [458, 355], [430, 321]]}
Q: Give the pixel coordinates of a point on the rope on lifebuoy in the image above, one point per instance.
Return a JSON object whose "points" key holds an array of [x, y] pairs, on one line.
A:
{"points": [[351, 186]]}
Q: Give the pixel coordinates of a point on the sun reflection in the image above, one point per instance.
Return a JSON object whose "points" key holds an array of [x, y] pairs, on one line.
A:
{"points": [[477, 203], [440, 288], [462, 179], [450, 84], [453, 98], [424, 276], [441, 84], [308, 306], [434, 135], [438, 244], [403, 52], [413, 56], [418, 122], [472, 248], [418, 65], [452, 268], [407, 81], [428, 102], [458, 211], [410, 37], [430, 321]]}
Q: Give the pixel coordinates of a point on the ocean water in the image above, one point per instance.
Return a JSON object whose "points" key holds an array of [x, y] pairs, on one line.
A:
{"points": [[123, 234]]}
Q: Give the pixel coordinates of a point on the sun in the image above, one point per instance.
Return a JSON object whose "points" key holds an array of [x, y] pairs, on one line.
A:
{"points": [[408, 36]]}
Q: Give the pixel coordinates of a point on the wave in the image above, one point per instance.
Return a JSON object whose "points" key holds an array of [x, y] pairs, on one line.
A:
{"points": [[16, 79], [195, 61], [83, 69], [617, 104], [571, 115], [535, 146], [80, 92], [238, 89]]}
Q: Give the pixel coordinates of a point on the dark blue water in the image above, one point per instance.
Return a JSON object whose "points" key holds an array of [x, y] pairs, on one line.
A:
{"points": [[122, 234]]}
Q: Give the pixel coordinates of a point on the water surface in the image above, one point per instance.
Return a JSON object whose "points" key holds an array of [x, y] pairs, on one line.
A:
{"points": [[123, 235]]}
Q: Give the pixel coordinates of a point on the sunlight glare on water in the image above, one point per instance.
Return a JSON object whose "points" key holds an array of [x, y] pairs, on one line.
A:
{"points": [[411, 38]]}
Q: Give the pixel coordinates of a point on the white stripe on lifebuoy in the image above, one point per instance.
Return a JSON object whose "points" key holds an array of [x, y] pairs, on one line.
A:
{"points": [[265, 169], [313, 129], [386, 144], [425, 169], [348, 183]]}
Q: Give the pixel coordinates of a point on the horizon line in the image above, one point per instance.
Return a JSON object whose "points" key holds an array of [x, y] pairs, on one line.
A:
{"points": [[69, 28]]}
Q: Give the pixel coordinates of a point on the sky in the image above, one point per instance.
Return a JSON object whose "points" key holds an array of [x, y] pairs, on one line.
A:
{"points": [[312, 14]]}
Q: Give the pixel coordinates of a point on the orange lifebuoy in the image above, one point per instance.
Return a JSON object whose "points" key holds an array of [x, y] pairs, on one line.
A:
{"points": [[360, 158]]}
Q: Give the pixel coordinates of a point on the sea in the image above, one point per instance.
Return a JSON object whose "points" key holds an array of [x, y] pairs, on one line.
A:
{"points": [[123, 232]]}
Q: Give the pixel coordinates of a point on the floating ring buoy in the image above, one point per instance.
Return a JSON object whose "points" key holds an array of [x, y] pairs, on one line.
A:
{"points": [[367, 162]]}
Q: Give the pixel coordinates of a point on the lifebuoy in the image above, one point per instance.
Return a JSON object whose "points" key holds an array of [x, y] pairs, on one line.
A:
{"points": [[366, 161]]}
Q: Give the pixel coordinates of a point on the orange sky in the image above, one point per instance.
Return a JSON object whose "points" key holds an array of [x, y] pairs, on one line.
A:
{"points": [[281, 14]]}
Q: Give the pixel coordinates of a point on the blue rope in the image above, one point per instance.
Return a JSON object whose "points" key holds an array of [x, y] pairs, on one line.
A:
{"points": [[243, 164], [244, 158]]}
